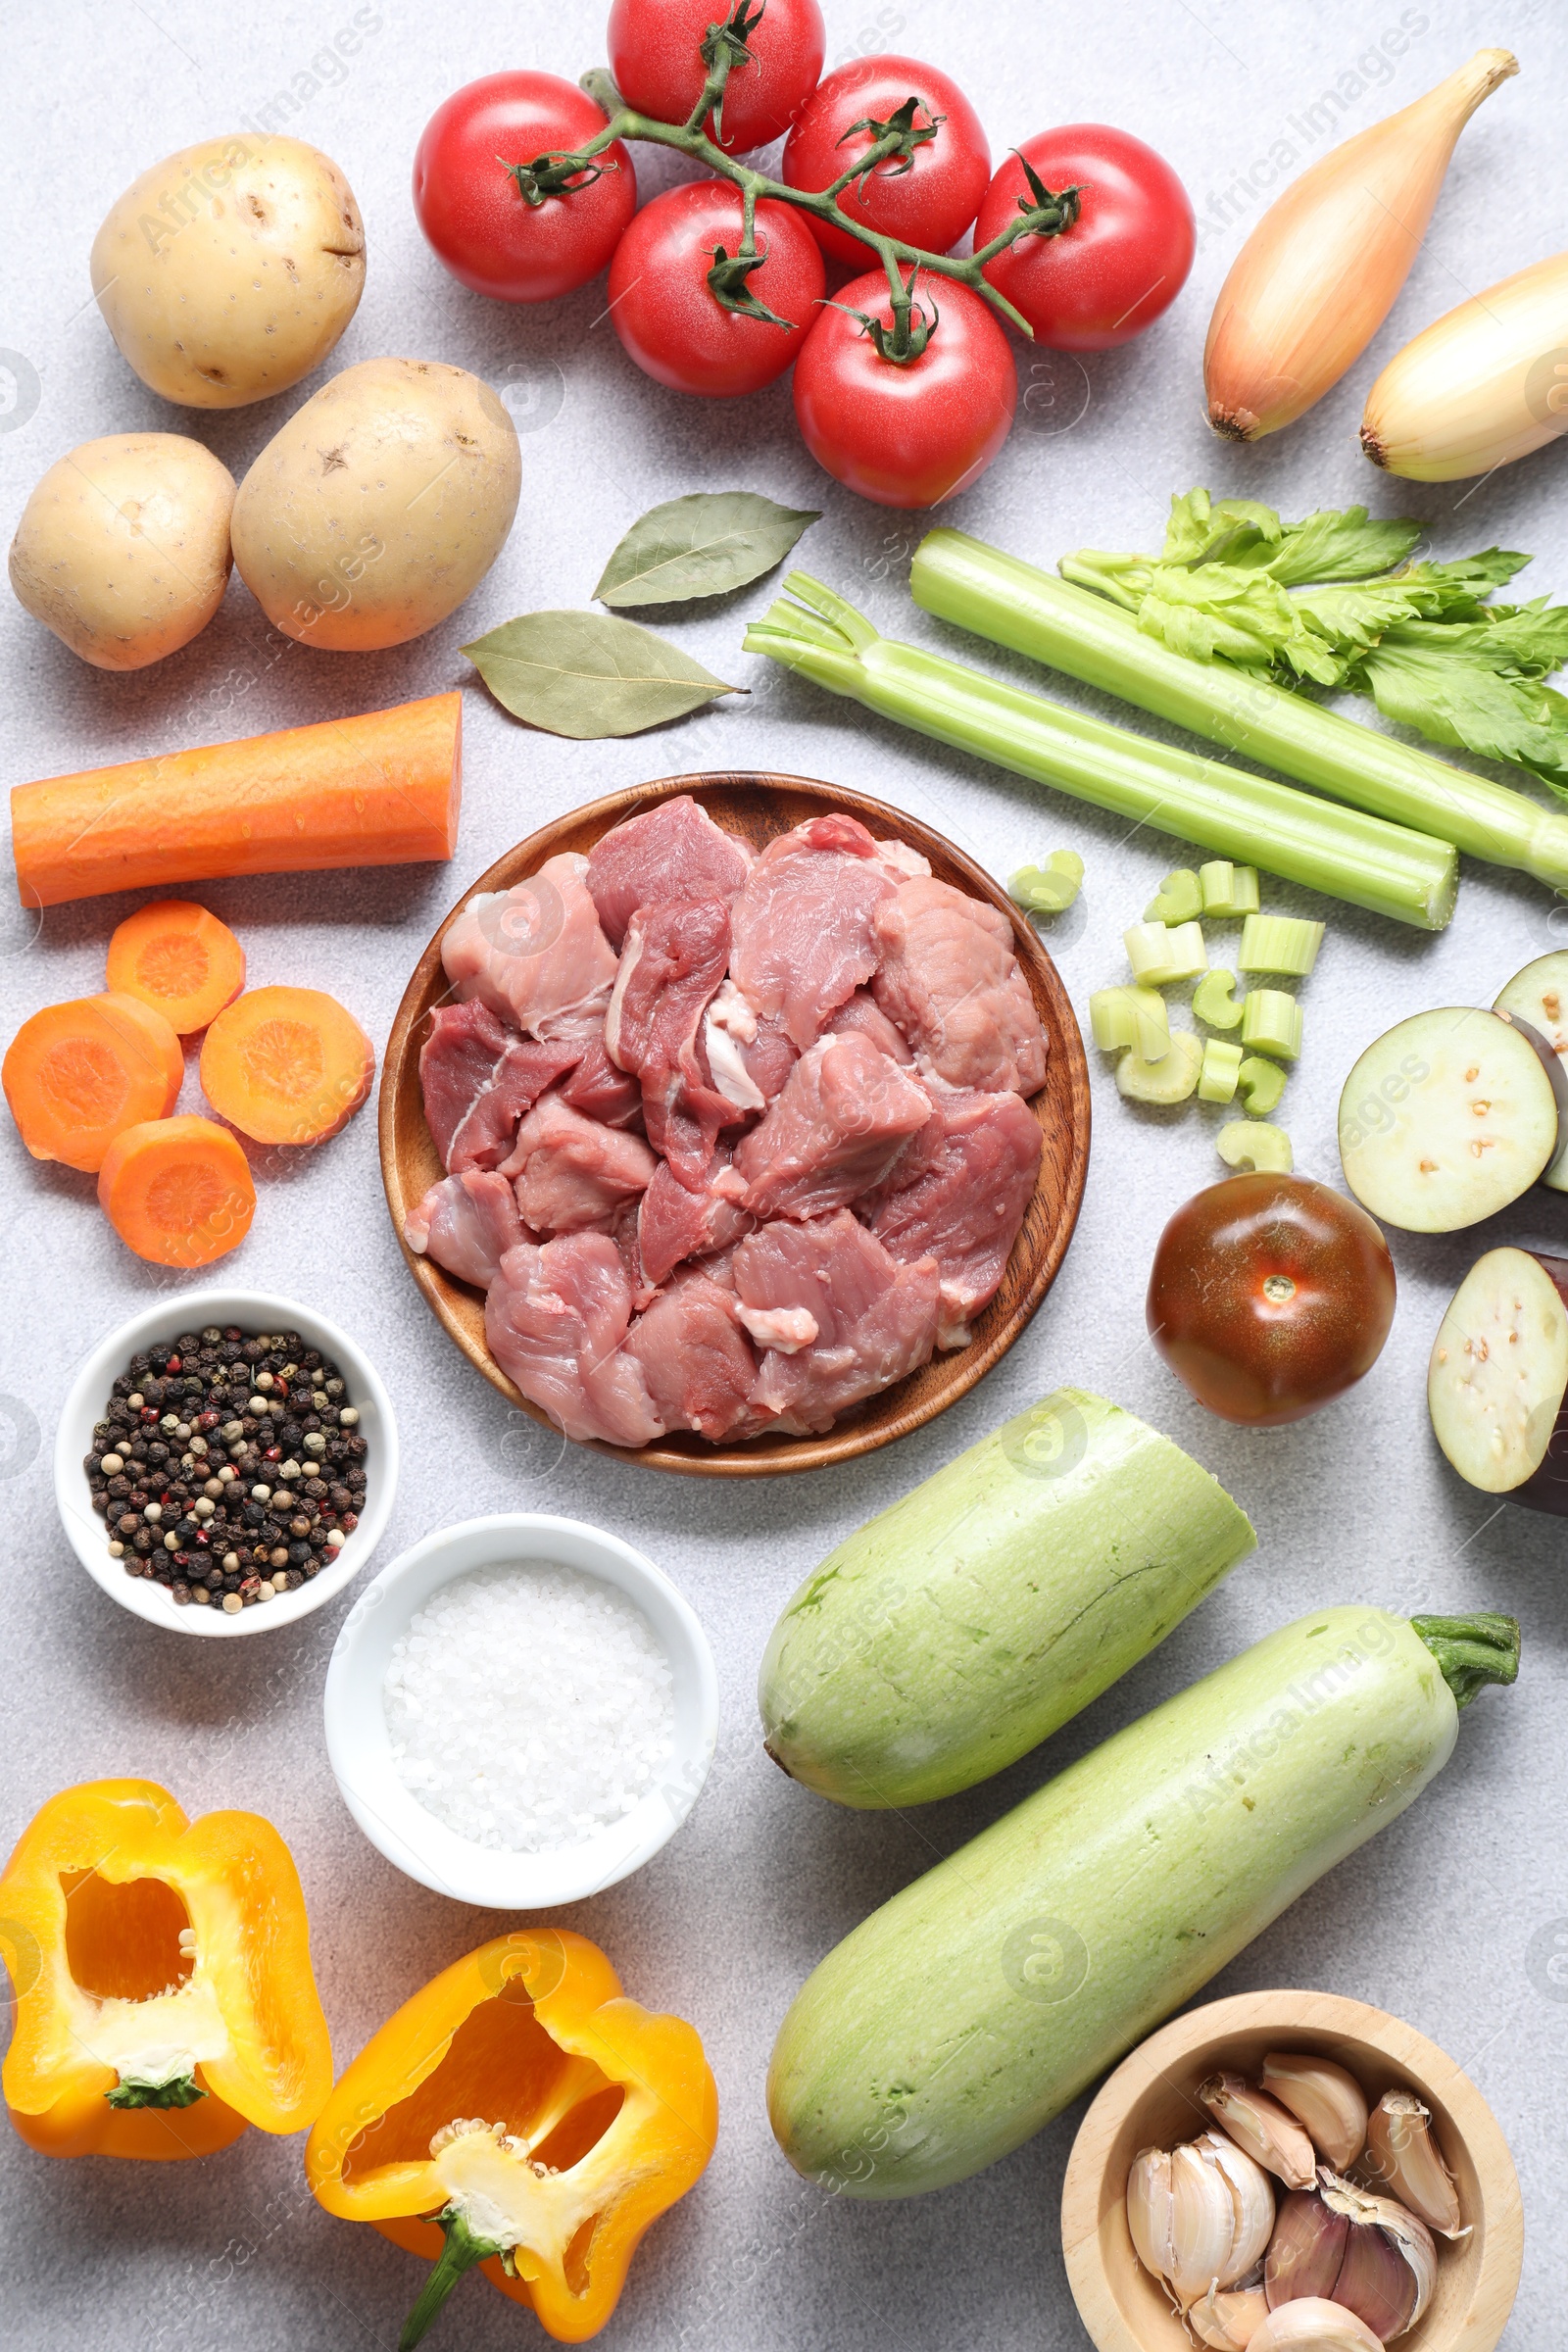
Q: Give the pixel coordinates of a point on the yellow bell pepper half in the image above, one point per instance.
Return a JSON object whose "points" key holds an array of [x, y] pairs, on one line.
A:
{"points": [[161, 1972], [536, 2118]]}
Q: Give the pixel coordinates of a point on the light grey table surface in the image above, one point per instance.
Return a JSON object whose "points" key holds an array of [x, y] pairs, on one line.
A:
{"points": [[1453, 1918]]}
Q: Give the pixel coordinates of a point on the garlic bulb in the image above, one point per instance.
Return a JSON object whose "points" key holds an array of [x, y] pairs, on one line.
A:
{"points": [[1344, 2244], [1314, 2326], [1317, 276], [1262, 2127], [1485, 383], [1200, 2215], [1405, 2157], [1328, 2103], [1228, 2320]]}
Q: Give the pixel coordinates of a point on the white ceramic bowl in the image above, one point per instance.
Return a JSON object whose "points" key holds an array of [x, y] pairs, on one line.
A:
{"points": [[361, 1749], [192, 1310]]}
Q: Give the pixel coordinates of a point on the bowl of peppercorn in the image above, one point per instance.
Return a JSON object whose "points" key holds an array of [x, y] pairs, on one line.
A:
{"points": [[225, 1461]]}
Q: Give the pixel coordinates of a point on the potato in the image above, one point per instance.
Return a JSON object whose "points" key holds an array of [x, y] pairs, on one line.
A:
{"points": [[379, 504], [229, 271], [122, 549]]}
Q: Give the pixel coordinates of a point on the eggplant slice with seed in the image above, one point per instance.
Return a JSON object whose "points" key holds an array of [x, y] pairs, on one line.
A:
{"points": [[1447, 1118], [1498, 1377]]}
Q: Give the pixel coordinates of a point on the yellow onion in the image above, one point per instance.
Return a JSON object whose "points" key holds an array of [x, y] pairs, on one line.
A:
{"points": [[1318, 274], [1483, 385]]}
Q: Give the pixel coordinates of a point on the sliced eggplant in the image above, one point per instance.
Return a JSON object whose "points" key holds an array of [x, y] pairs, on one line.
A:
{"points": [[1446, 1119], [1539, 996], [1498, 1377]]}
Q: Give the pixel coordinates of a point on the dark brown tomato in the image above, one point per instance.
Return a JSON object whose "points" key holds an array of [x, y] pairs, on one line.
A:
{"points": [[1269, 1296]]}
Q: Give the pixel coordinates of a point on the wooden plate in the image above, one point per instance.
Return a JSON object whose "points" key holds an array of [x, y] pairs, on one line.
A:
{"points": [[1150, 2101], [759, 806]]}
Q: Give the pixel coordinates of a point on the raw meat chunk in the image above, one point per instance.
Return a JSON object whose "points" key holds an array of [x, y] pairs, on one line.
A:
{"points": [[554, 1320], [670, 965], [573, 1174], [479, 1077], [806, 924], [958, 1192], [600, 1091], [865, 1013], [534, 953], [837, 1128], [674, 1224], [769, 1056], [672, 851], [950, 980], [698, 1361], [876, 1319], [466, 1223]]}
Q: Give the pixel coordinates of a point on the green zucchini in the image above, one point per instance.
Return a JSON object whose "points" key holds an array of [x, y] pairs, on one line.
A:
{"points": [[955, 1632], [964, 2014]]}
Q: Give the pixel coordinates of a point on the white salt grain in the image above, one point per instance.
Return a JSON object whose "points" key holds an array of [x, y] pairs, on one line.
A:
{"points": [[529, 1706]]}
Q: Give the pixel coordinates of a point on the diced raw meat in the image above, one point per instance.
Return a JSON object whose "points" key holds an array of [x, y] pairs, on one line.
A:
{"points": [[573, 1174], [876, 1319], [479, 1077], [865, 1013], [769, 1056], [950, 980], [958, 1192], [554, 1320], [698, 1361], [670, 965], [674, 1224], [672, 851], [805, 924], [600, 1091], [466, 1223], [533, 954], [836, 1129]]}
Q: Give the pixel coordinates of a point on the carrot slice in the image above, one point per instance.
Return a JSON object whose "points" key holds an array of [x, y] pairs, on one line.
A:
{"points": [[178, 958], [178, 1191], [286, 1065], [79, 1074]]}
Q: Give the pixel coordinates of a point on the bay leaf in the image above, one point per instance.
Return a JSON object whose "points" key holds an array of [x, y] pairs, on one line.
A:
{"points": [[589, 675], [701, 545]]}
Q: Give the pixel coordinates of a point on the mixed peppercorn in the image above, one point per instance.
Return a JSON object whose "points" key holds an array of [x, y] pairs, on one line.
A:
{"points": [[228, 1466]]}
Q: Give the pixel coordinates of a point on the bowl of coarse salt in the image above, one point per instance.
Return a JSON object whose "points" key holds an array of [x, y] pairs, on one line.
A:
{"points": [[520, 1710]]}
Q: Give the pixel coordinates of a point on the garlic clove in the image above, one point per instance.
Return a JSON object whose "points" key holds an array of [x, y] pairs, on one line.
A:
{"points": [[1229, 2318], [1372, 2216], [1151, 2211], [1326, 2101], [1405, 2156], [1314, 2324], [1252, 2202], [1306, 2249], [1203, 2225], [1268, 2131], [1377, 2284]]}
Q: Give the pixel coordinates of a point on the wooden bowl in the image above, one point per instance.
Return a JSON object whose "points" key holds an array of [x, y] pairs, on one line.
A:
{"points": [[1152, 2101], [760, 806]]}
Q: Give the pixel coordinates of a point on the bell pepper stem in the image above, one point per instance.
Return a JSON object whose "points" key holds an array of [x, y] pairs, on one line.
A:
{"points": [[463, 2249], [1472, 1651], [181, 2090]]}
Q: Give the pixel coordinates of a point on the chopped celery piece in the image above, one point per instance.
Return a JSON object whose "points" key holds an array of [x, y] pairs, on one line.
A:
{"points": [[1253, 1144], [1180, 899], [1120, 1017], [1171, 1079], [1215, 1002], [1262, 1084], [1228, 890], [1216, 1080], [1049, 889], [1158, 955], [1272, 1022], [1279, 942]]}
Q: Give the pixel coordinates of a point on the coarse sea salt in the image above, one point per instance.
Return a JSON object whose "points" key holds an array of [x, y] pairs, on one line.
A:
{"points": [[529, 1706]]}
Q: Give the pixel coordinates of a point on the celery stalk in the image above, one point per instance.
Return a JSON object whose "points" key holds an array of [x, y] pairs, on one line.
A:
{"points": [[1405, 875], [1014, 603]]}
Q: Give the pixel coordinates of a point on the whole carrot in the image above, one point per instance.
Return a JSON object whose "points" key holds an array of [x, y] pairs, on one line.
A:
{"points": [[384, 789]]}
